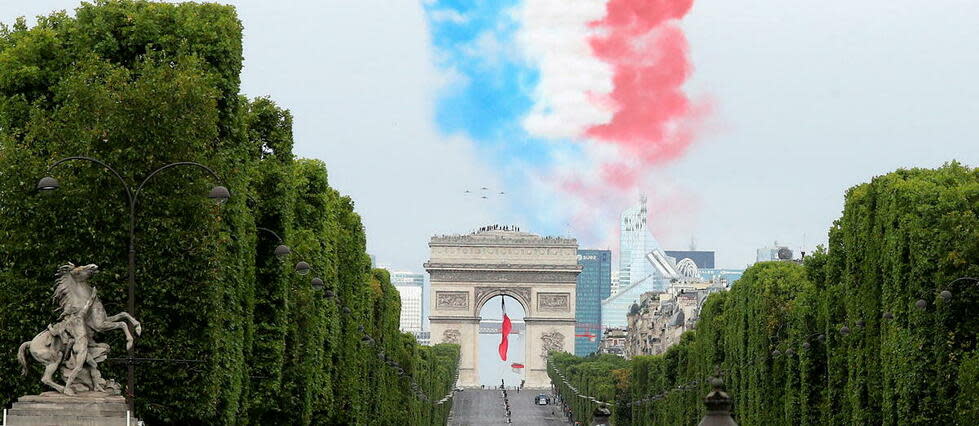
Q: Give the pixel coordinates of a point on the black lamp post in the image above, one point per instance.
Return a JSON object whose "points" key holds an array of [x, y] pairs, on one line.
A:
{"points": [[302, 268], [217, 193], [946, 295], [281, 250]]}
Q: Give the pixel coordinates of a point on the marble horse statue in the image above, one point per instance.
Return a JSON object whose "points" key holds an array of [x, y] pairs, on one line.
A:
{"points": [[69, 344]]}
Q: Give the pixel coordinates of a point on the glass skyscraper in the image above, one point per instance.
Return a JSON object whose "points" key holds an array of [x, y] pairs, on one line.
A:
{"points": [[594, 285], [635, 241], [643, 266]]}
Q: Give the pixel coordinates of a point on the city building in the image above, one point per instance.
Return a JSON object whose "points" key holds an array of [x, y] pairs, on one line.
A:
{"points": [[614, 341], [594, 285], [774, 252], [635, 242], [616, 307], [703, 259], [658, 320], [728, 276], [615, 282], [643, 266], [424, 338], [410, 286]]}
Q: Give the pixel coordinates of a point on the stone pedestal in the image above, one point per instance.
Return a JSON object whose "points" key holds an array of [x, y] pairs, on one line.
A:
{"points": [[83, 409]]}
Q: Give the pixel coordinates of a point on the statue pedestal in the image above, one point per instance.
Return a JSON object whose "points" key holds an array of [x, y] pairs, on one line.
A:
{"points": [[83, 409]]}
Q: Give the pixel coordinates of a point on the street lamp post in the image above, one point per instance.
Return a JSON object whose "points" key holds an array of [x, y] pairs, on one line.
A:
{"points": [[945, 294], [302, 267], [218, 193], [281, 250]]}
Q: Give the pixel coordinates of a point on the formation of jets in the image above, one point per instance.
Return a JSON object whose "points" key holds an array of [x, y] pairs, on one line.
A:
{"points": [[483, 191]]}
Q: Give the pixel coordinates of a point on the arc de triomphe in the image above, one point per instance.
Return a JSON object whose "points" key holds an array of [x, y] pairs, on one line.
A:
{"points": [[466, 271]]}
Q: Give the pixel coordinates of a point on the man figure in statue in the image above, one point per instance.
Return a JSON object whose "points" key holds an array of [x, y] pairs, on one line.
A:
{"points": [[82, 354]]}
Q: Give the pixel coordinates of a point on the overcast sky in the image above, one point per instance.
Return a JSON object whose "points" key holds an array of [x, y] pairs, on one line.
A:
{"points": [[809, 99]]}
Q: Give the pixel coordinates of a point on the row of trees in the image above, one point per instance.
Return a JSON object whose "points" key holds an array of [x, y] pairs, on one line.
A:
{"points": [[140, 84], [861, 333]]}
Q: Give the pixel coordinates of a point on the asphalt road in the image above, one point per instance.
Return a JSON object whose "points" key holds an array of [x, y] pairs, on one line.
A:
{"points": [[474, 407]]}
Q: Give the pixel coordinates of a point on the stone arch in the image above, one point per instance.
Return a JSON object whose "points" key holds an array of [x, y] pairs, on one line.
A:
{"points": [[540, 273], [484, 295]]}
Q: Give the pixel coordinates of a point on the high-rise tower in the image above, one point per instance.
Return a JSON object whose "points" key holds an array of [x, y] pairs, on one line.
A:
{"points": [[594, 285], [409, 286], [643, 266], [635, 242]]}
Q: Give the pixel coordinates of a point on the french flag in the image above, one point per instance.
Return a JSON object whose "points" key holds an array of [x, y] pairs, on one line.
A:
{"points": [[505, 331]]}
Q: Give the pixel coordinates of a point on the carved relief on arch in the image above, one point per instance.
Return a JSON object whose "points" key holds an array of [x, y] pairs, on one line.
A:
{"points": [[452, 336], [452, 300], [559, 302], [552, 341]]}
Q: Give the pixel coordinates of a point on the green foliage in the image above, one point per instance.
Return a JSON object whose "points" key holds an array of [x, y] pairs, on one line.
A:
{"points": [[903, 236], [141, 84], [967, 408], [590, 375]]}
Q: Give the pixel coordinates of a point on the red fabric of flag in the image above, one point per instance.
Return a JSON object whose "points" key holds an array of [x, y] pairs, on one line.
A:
{"points": [[505, 331]]}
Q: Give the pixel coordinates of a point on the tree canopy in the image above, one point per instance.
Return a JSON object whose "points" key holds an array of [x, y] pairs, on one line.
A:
{"points": [[838, 340], [243, 338]]}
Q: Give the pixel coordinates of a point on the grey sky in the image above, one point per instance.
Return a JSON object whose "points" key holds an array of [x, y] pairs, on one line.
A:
{"points": [[811, 98]]}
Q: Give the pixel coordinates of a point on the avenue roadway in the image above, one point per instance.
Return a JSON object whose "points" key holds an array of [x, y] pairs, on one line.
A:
{"points": [[477, 407]]}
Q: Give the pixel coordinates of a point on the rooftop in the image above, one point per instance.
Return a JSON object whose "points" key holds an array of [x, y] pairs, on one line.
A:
{"points": [[500, 235]]}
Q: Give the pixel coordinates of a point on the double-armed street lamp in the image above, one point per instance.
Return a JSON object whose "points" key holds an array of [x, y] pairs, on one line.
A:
{"points": [[217, 193]]}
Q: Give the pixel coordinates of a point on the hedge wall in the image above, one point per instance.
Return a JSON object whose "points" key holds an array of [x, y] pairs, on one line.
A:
{"points": [[141, 84], [776, 335]]}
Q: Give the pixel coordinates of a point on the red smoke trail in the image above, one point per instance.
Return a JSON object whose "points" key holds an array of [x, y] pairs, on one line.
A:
{"points": [[653, 117]]}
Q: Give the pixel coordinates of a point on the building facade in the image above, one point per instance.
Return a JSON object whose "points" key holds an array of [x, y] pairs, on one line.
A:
{"points": [[594, 285], [424, 338], [635, 242], [726, 275], [614, 341], [410, 286], [616, 308], [658, 320], [703, 259], [643, 266]]}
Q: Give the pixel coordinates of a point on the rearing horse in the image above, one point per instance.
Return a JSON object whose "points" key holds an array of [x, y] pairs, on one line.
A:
{"points": [[82, 316]]}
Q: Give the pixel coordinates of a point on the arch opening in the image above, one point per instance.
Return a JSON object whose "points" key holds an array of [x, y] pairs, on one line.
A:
{"points": [[492, 369]]}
